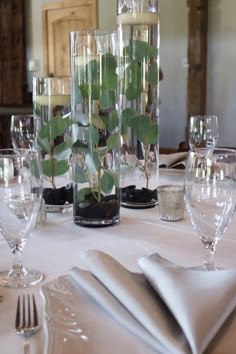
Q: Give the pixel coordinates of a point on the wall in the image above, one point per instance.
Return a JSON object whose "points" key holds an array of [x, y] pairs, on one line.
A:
{"points": [[221, 79], [173, 53], [34, 30]]}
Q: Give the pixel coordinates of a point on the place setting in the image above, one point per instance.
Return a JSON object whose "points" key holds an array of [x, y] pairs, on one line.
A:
{"points": [[126, 249]]}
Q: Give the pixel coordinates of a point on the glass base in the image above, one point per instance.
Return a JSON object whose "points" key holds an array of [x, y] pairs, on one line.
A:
{"points": [[64, 208], [96, 223], [27, 278], [147, 205], [205, 269]]}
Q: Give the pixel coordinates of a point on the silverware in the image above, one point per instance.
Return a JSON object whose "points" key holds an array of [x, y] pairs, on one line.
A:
{"points": [[26, 319]]}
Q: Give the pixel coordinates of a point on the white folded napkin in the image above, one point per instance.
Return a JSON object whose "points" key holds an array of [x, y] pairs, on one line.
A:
{"points": [[175, 160], [180, 312]]}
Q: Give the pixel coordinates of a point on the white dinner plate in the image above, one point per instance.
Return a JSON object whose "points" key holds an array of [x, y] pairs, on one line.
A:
{"points": [[74, 323]]}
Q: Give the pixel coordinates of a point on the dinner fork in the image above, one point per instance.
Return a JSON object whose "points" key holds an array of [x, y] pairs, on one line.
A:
{"points": [[26, 319]]}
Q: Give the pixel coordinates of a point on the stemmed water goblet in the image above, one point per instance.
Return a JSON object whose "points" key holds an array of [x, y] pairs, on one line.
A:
{"points": [[20, 195], [23, 131], [210, 195], [203, 133]]}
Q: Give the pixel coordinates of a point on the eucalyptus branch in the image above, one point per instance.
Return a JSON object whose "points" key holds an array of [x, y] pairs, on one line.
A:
{"points": [[138, 162], [146, 148], [90, 185], [99, 183], [53, 166]]}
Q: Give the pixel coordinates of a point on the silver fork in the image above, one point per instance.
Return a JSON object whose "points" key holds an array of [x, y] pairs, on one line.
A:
{"points": [[26, 319]]}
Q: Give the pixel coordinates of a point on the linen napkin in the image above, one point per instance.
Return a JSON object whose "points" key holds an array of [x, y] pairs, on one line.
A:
{"points": [[172, 309], [175, 160]]}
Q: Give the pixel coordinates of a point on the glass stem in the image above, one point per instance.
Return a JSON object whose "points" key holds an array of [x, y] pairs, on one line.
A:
{"points": [[17, 266], [209, 247]]}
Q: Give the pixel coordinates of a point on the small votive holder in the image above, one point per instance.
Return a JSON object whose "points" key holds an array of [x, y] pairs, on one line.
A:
{"points": [[171, 202]]}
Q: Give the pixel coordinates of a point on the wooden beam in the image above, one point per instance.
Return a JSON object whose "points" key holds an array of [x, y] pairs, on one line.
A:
{"points": [[12, 52], [197, 58]]}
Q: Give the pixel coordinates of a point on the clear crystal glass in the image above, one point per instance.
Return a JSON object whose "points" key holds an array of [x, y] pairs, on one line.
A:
{"points": [[52, 112], [203, 133], [138, 101], [20, 194], [95, 128], [210, 194]]}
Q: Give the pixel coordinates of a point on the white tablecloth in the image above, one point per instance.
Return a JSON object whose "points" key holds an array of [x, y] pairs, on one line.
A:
{"points": [[55, 248]]}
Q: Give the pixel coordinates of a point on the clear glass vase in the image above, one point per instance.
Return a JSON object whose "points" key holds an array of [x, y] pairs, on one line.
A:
{"points": [[52, 112], [138, 102], [95, 129]]}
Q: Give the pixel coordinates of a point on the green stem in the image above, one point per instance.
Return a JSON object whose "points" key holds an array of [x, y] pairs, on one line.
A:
{"points": [[130, 152], [138, 161], [99, 183], [90, 185], [146, 148]]}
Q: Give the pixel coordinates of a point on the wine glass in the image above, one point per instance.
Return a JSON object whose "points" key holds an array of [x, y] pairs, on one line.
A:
{"points": [[20, 195], [203, 133], [23, 131], [210, 195]]}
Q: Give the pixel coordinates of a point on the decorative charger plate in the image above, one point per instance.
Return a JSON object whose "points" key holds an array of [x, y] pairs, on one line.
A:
{"points": [[74, 323]]}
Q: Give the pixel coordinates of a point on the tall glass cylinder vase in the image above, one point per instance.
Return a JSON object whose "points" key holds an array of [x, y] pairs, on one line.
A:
{"points": [[138, 30], [52, 112], [95, 128]]}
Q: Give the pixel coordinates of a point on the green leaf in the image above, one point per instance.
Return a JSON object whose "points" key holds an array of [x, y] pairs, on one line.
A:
{"points": [[98, 122], [54, 127], [107, 182], [109, 76], [92, 136], [81, 148], [77, 96], [47, 168], [80, 197], [95, 91], [116, 177], [152, 74], [107, 99], [62, 151], [133, 81], [111, 121], [109, 81], [146, 132], [52, 167], [34, 167], [60, 168], [78, 174], [127, 115], [44, 144], [109, 63], [92, 162], [84, 89], [113, 141], [138, 50], [92, 72], [101, 151]]}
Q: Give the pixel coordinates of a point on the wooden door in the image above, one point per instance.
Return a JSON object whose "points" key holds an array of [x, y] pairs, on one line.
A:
{"points": [[59, 19]]}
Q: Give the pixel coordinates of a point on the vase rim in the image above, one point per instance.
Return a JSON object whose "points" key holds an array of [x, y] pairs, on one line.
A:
{"points": [[96, 32]]}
